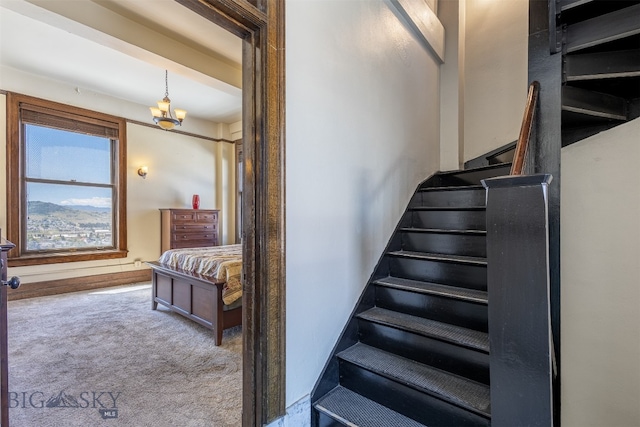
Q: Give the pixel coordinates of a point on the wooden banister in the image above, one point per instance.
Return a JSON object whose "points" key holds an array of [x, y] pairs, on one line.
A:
{"points": [[525, 130]]}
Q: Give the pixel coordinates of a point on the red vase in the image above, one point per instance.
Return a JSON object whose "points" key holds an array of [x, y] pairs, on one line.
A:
{"points": [[195, 201]]}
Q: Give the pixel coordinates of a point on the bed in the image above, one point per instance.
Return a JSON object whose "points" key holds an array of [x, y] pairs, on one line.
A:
{"points": [[202, 284]]}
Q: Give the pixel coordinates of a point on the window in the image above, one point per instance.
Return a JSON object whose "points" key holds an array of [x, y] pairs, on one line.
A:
{"points": [[66, 183]]}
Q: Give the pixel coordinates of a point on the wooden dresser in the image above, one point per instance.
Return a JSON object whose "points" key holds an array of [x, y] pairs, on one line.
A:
{"points": [[188, 228]]}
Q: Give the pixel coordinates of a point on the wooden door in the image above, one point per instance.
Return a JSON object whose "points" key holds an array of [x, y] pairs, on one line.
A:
{"points": [[5, 246]]}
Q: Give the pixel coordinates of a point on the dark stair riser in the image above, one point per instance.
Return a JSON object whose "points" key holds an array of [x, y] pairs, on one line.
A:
{"points": [[451, 243], [470, 177], [447, 273], [602, 29], [473, 219], [450, 198], [466, 314], [406, 400], [443, 355], [326, 421]]}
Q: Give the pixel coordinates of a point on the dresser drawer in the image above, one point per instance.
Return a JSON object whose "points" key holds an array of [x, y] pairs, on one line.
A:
{"points": [[193, 244], [183, 216], [182, 237], [206, 217], [194, 228]]}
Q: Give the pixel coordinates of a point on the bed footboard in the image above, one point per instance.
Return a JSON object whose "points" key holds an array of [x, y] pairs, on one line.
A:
{"points": [[194, 296]]}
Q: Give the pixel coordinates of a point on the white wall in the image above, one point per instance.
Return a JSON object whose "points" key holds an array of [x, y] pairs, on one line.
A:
{"points": [[600, 246], [179, 166], [495, 88], [362, 132]]}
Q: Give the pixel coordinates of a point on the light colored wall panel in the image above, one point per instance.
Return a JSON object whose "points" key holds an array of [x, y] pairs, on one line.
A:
{"points": [[496, 63], [600, 246], [362, 132]]}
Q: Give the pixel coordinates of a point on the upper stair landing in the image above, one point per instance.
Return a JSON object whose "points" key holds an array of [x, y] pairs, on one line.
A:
{"points": [[601, 65], [467, 177]]}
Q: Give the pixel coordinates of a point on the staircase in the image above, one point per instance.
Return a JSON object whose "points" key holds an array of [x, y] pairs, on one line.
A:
{"points": [[416, 351], [600, 44]]}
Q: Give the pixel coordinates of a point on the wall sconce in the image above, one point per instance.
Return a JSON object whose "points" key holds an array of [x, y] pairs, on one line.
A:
{"points": [[142, 171]]}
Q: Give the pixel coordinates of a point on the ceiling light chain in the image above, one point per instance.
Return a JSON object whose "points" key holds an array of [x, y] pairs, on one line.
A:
{"points": [[162, 114]]}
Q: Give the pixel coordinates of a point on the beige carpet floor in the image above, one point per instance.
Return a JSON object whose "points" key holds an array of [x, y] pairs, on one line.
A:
{"points": [[104, 358]]}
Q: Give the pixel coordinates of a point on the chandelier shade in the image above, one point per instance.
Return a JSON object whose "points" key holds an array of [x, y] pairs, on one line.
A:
{"points": [[162, 113]]}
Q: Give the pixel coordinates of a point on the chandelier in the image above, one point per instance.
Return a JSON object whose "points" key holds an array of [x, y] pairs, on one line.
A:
{"points": [[162, 114]]}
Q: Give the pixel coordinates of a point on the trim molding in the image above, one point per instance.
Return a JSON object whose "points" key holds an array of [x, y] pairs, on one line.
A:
{"points": [[75, 284], [261, 25], [298, 415], [425, 24], [150, 125], [181, 132]]}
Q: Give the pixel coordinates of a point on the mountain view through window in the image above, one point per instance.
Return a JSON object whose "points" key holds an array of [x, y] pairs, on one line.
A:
{"points": [[69, 190]]}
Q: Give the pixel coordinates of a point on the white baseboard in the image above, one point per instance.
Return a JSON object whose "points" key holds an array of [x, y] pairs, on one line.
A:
{"points": [[298, 415]]}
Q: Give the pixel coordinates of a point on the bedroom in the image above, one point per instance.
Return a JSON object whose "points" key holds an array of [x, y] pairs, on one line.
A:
{"points": [[206, 160], [205, 146]]}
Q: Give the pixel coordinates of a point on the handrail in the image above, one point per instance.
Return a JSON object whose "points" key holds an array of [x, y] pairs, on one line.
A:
{"points": [[525, 130]]}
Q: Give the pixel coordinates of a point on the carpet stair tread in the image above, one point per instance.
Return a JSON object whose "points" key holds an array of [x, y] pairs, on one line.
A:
{"points": [[464, 294], [457, 335], [467, 394], [355, 410]]}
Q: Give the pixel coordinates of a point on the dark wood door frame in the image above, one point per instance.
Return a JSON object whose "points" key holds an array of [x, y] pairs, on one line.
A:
{"points": [[260, 24]]}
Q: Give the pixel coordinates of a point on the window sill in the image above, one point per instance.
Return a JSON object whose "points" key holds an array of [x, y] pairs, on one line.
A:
{"points": [[39, 259]]}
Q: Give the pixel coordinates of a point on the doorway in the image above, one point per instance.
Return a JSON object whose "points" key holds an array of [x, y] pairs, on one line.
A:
{"points": [[260, 24]]}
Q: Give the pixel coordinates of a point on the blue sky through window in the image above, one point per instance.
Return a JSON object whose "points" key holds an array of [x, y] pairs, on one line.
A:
{"points": [[67, 156]]}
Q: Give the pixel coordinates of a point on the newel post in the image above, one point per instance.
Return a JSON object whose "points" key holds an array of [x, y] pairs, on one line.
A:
{"points": [[521, 352]]}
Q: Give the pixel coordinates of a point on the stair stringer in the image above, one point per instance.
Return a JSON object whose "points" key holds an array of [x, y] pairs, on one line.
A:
{"points": [[329, 378]]}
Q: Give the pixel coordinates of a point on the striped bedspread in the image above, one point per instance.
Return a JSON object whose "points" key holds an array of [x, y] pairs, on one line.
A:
{"points": [[220, 262]]}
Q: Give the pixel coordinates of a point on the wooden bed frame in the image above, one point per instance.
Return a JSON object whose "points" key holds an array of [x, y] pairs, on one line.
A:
{"points": [[194, 296]]}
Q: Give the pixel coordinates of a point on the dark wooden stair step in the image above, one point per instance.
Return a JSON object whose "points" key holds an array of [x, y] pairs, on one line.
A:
{"points": [[451, 188], [464, 294], [564, 5], [454, 270], [459, 259], [442, 231], [449, 195], [603, 29], [461, 392], [430, 328], [470, 176], [446, 208], [470, 242], [593, 104], [354, 410], [602, 65]]}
